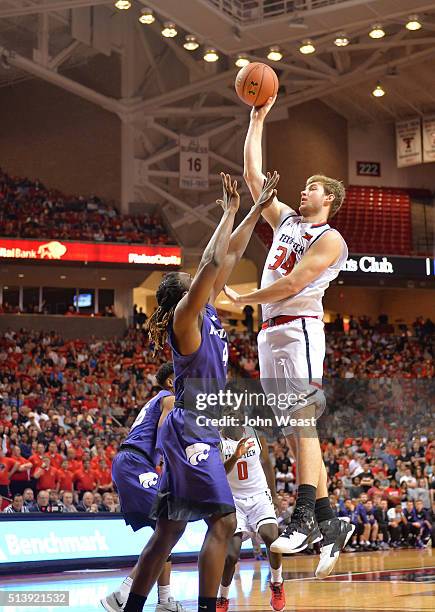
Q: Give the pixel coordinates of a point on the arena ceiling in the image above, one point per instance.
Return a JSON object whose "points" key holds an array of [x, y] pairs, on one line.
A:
{"points": [[85, 41]]}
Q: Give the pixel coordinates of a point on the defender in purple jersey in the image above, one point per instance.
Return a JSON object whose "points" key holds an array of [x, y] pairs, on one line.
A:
{"points": [[195, 485], [136, 479]]}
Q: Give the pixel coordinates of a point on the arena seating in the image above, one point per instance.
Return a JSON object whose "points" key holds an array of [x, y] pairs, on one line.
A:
{"points": [[371, 220], [30, 210], [376, 220], [74, 400]]}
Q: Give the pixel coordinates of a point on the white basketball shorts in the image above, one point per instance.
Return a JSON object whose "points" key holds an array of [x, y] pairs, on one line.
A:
{"points": [[253, 512], [291, 362]]}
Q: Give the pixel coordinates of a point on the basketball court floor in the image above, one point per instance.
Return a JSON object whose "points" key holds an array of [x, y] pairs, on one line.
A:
{"points": [[393, 581]]}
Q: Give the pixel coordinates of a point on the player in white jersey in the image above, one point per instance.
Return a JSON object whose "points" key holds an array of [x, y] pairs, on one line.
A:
{"points": [[306, 255], [252, 481]]}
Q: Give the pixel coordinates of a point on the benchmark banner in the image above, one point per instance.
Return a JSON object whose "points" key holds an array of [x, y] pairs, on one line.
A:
{"points": [[101, 252], [41, 540]]}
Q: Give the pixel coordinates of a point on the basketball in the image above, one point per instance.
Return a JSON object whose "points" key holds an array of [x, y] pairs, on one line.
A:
{"points": [[255, 83]]}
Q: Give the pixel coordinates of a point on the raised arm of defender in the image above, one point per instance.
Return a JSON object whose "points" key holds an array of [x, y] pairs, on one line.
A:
{"points": [[253, 164], [186, 323], [242, 234]]}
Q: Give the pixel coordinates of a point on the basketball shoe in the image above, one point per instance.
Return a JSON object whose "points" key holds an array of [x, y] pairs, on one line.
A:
{"points": [[300, 533], [277, 601], [114, 603], [222, 604], [336, 534]]}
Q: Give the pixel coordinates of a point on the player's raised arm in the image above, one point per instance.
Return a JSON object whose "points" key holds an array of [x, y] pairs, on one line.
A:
{"points": [[188, 310], [242, 234], [253, 164]]}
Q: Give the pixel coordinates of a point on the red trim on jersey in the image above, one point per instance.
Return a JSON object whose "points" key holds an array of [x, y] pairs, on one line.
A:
{"points": [[320, 224]]}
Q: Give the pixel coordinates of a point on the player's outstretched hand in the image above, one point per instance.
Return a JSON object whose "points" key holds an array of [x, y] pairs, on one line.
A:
{"points": [[230, 199], [258, 113], [243, 446], [268, 192], [232, 295]]}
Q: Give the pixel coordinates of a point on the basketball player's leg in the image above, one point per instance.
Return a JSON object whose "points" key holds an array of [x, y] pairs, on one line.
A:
{"points": [[233, 554], [211, 561], [152, 561]]}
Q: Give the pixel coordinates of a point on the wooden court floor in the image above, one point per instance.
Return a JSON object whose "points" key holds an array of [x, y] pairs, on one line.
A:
{"points": [[393, 581]]}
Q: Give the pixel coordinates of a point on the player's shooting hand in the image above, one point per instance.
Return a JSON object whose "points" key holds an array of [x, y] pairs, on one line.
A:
{"points": [[268, 192], [232, 295], [258, 113], [230, 199], [243, 446]]}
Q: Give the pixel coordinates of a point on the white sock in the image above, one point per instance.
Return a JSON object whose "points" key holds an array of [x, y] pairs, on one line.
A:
{"points": [[276, 574], [224, 591], [164, 593], [125, 587]]}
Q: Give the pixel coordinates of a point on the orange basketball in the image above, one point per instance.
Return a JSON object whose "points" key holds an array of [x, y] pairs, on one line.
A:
{"points": [[255, 83]]}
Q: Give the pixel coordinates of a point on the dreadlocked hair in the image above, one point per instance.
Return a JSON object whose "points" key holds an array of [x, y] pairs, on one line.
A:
{"points": [[169, 293]]}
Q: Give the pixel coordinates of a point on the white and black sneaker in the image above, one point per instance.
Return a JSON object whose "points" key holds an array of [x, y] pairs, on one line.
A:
{"points": [[300, 533], [170, 606], [336, 534], [113, 602]]}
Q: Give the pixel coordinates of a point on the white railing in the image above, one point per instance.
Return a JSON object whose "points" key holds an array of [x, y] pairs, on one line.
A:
{"points": [[248, 11]]}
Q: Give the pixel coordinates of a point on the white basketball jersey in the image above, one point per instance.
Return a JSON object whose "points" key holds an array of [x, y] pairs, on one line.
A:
{"points": [[291, 240], [247, 477]]}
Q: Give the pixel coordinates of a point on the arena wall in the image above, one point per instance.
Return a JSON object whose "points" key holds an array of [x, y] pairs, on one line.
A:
{"points": [[67, 142], [402, 305], [377, 143], [313, 139]]}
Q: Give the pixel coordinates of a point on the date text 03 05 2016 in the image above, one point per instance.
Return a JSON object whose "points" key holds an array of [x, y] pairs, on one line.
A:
{"points": [[34, 598]]}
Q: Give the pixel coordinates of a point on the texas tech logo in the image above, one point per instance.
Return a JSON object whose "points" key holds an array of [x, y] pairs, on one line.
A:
{"points": [[197, 452], [148, 479], [52, 250]]}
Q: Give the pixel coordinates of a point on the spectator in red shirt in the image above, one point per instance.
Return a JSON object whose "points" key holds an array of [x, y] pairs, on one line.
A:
{"points": [[36, 458], [55, 458], [46, 475], [85, 479], [73, 463], [65, 477], [104, 474], [20, 479], [7, 467]]}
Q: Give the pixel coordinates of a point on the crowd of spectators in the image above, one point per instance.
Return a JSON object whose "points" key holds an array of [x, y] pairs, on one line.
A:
{"points": [[66, 406], [386, 489], [28, 209]]}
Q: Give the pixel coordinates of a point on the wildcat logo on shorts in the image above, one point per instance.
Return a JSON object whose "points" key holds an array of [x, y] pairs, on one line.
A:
{"points": [[197, 452], [148, 479]]}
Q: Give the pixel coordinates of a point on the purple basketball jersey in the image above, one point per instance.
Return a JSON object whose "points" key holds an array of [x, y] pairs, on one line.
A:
{"points": [[143, 432], [207, 366]]}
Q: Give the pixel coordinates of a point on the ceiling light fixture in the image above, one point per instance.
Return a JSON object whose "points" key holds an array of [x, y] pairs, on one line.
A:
{"points": [[377, 31], [62, 277], [274, 54], [210, 55], [341, 40], [241, 61], [169, 30], [123, 5], [20, 275], [378, 91], [413, 23], [191, 43], [307, 47], [146, 16]]}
